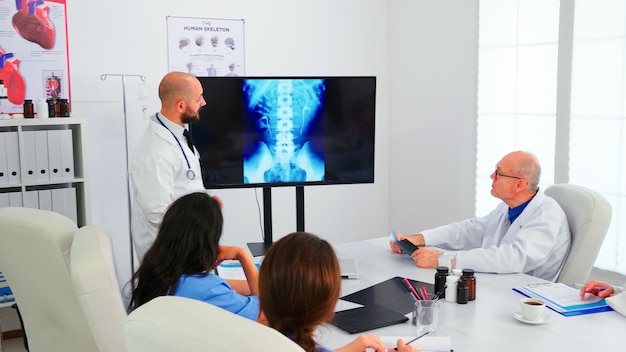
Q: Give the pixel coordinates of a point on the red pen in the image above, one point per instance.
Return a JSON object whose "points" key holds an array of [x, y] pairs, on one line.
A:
{"points": [[424, 292], [411, 288]]}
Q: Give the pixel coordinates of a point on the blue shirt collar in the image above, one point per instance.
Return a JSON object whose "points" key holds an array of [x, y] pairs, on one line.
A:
{"points": [[515, 212]]}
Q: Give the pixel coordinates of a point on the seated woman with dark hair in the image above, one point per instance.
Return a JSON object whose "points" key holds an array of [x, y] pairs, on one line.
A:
{"points": [[299, 285], [182, 257]]}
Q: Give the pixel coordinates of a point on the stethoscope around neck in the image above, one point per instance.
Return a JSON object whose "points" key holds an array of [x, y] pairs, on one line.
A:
{"points": [[190, 173]]}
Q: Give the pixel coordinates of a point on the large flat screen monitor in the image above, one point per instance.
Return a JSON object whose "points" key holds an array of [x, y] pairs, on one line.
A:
{"points": [[286, 131]]}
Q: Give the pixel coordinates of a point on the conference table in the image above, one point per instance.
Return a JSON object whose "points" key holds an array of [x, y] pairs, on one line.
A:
{"points": [[485, 324]]}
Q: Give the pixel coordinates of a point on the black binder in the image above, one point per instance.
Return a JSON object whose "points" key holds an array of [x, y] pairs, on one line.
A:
{"points": [[391, 294], [384, 304], [366, 318]]}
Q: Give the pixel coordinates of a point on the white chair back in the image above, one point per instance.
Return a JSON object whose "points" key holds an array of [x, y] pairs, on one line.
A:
{"points": [[34, 257], [588, 215], [93, 273], [171, 323]]}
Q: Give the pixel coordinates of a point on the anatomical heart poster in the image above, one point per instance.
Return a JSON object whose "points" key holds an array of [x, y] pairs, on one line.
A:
{"points": [[33, 51], [205, 47]]}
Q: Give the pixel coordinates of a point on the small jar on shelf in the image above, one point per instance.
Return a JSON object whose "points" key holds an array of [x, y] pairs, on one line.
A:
{"points": [[29, 109]]}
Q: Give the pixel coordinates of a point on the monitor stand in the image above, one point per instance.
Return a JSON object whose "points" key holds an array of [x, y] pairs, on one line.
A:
{"points": [[259, 248]]}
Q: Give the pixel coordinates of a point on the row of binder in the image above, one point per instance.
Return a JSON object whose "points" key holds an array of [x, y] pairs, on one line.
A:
{"points": [[59, 200], [47, 155], [6, 296]]}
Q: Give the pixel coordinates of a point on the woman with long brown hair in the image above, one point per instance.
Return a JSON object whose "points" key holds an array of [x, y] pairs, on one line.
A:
{"points": [[299, 285]]}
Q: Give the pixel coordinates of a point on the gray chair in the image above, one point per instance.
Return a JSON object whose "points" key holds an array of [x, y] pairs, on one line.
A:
{"points": [[588, 215]]}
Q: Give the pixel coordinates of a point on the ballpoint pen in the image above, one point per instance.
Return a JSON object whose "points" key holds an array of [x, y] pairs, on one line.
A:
{"points": [[411, 289], [438, 294], [424, 293], [419, 337]]}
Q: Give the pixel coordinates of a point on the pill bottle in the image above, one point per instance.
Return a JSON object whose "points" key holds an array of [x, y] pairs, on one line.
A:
{"points": [[451, 282], [42, 109], [462, 296], [457, 272], [468, 274], [51, 108], [64, 108], [29, 109], [440, 281], [3, 93]]}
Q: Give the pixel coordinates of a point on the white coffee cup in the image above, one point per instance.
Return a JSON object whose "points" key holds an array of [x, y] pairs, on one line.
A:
{"points": [[533, 309]]}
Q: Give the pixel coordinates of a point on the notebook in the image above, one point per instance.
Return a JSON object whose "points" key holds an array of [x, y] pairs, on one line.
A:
{"points": [[564, 299], [349, 268], [366, 318]]}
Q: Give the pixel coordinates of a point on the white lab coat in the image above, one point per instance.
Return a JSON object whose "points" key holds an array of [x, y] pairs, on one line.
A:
{"points": [[159, 176], [536, 243], [618, 300]]}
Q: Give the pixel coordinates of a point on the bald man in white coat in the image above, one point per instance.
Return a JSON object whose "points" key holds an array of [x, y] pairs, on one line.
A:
{"points": [[527, 233], [165, 167]]}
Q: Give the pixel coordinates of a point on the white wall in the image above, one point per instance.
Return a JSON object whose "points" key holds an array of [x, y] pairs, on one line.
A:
{"points": [[283, 37], [432, 101]]}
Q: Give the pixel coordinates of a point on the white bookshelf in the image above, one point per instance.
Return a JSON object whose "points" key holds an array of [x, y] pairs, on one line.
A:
{"points": [[75, 179]]}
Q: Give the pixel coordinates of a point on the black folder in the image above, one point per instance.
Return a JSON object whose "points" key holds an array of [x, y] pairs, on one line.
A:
{"points": [[390, 294], [384, 304], [366, 318]]}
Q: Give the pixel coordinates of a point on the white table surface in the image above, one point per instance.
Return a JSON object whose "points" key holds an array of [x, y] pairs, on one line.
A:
{"points": [[486, 324]]}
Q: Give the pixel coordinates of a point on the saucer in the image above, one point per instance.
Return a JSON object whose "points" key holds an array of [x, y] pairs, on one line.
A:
{"points": [[545, 319]]}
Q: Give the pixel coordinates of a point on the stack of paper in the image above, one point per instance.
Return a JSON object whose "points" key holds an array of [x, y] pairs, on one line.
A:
{"points": [[232, 270], [425, 344], [564, 299]]}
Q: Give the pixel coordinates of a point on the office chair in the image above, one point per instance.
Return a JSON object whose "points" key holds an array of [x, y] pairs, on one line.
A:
{"points": [[34, 257], [171, 323], [588, 215], [92, 270]]}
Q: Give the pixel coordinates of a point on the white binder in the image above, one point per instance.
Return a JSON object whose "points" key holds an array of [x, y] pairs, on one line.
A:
{"points": [[13, 158], [64, 202], [4, 174], [45, 199], [67, 154], [31, 199], [15, 199], [29, 166], [54, 155], [41, 155], [4, 200]]}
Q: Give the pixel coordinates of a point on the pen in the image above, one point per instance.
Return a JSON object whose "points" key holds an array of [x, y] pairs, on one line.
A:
{"points": [[438, 294], [599, 288], [419, 337], [424, 292], [411, 288]]}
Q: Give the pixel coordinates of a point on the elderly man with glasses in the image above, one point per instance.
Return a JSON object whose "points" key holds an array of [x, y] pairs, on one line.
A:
{"points": [[526, 233]]}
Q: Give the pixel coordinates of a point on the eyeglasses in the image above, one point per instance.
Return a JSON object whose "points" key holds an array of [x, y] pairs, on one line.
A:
{"points": [[499, 174]]}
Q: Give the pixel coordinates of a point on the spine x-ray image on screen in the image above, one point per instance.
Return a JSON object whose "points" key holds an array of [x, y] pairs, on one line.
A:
{"points": [[280, 145], [286, 131]]}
